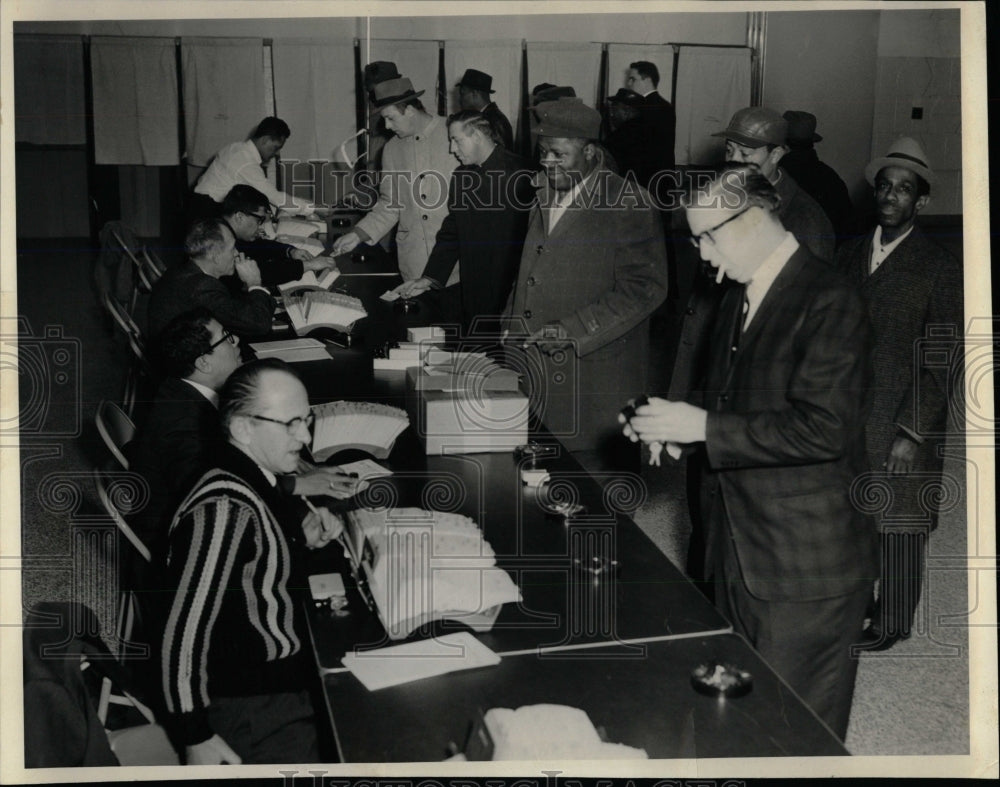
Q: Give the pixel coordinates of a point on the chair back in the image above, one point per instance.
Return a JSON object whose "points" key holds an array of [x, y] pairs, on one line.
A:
{"points": [[108, 498], [115, 428], [153, 265], [121, 317], [143, 282]]}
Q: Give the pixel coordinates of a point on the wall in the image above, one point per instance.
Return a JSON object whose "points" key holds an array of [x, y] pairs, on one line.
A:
{"points": [[825, 63]]}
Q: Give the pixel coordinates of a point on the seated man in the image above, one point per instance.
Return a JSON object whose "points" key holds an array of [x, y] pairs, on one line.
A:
{"points": [[244, 211], [180, 436], [211, 249], [245, 162], [235, 664]]}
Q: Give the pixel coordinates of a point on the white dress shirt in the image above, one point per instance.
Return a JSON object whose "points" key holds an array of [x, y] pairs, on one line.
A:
{"points": [[205, 391], [880, 251], [564, 199], [765, 275], [240, 163]]}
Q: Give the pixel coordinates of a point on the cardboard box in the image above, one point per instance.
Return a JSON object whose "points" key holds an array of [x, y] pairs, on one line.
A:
{"points": [[456, 416]]}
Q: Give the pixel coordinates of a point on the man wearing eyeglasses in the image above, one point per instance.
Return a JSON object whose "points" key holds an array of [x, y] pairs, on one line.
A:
{"points": [[244, 211], [779, 425], [235, 660]]}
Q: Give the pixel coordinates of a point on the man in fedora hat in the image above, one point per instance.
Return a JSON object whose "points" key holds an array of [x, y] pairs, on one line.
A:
{"points": [[592, 272], [375, 73], [820, 181], [911, 285], [413, 189], [474, 91]]}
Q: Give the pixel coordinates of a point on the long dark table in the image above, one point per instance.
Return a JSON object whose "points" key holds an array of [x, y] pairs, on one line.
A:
{"points": [[621, 648]]}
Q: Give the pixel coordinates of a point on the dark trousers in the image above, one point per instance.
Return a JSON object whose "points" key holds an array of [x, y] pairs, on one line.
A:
{"points": [[902, 574], [267, 728], [808, 643]]}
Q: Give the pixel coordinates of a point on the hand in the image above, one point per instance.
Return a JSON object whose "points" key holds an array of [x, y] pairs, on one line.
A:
{"points": [[320, 527], [214, 751], [326, 481], [301, 255], [550, 339], [411, 289], [320, 263], [902, 455], [661, 421], [248, 271], [346, 243]]}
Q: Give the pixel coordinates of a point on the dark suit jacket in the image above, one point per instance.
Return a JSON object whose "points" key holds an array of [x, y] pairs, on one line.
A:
{"points": [[185, 286], [601, 272], [484, 232], [917, 287], [272, 258], [785, 435], [821, 182], [500, 125], [659, 132], [804, 218]]}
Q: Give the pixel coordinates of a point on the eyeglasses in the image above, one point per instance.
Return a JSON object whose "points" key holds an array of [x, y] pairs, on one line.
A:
{"points": [[261, 217], [290, 425], [707, 235], [227, 336]]}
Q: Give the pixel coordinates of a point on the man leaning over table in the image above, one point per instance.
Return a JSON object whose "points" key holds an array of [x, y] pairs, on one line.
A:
{"points": [[234, 661], [779, 424]]}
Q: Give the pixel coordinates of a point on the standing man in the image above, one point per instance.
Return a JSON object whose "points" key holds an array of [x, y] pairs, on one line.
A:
{"points": [[817, 179], [780, 423], [246, 162], [592, 271], [211, 250], [234, 669], [244, 211], [756, 135], [626, 140], [659, 121], [911, 285], [416, 166], [474, 91], [483, 233]]}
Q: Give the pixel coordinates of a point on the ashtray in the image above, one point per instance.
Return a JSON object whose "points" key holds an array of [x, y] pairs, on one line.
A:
{"points": [[359, 256], [597, 567], [720, 679], [562, 508], [406, 305]]}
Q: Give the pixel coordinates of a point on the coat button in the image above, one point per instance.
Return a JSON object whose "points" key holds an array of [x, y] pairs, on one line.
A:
{"points": [[423, 197], [689, 310], [531, 281], [527, 314], [734, 348], [424, 217], [539, 248]]}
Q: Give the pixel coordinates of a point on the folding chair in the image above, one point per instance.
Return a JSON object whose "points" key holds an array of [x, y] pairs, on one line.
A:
{"points": [[154, 265], [142, 281], [115, 428]]}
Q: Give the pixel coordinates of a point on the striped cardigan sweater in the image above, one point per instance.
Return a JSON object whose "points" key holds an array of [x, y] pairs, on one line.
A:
{"points": [[232, 627]]}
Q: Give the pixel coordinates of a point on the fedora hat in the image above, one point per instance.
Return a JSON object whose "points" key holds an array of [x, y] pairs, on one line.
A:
{"points": [[392, 91], [379, 71], [548, 92], [625, 96], [478, 80], [801, 126], [566, 117], [756, 127], [904, 152]]}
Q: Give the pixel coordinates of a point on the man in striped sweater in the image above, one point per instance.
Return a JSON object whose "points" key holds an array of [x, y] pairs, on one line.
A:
{"points": [[233, 666]]}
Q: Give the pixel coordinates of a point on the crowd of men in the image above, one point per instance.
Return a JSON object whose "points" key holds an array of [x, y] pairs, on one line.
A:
{"points": [[794, 375]]}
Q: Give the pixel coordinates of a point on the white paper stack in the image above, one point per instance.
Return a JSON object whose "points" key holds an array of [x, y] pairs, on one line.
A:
{"points": [[363, 425], [311, 281], [321, 309], [292, 350], [551, 732]]}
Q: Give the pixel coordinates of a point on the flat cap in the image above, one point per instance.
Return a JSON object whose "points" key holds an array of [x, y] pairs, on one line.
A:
{"points": [[756, 127], [566, 117]]}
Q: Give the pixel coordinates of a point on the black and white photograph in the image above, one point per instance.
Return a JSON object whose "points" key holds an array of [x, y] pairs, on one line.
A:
{"points": [[542, 392]]}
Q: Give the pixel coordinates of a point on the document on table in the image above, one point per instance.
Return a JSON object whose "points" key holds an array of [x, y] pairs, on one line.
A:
{"points": [[384, 667], [366, 468], [292, 350]]}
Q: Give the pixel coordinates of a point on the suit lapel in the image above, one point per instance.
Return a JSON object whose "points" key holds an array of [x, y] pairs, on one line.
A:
{"points": [[772, 298]]}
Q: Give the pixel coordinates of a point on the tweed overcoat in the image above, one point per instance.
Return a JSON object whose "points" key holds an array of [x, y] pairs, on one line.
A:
{"points": [[916, 288], [600, 272]]}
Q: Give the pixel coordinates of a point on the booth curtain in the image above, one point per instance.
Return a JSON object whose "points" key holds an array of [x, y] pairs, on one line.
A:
{"points": [[712, 83], [577, 65], [500, 59], [135, 101], [48, 90], [620, 55], [224, 94]]}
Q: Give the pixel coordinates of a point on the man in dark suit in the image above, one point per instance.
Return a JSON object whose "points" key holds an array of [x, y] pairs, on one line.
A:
{"points": [[625, 141], [211, 249], [244, 211], [474, 91], [489, 197], [911, 285], [780, 422], [659, 119]]}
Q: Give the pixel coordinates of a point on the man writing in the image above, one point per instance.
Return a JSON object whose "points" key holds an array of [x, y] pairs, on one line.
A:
{"points": [[780, 426], [483, 233], [234, 667]]}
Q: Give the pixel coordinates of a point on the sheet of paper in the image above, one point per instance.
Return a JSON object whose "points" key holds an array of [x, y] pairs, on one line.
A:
{"points": [[384, 667], [268, 348], [366, 469]]}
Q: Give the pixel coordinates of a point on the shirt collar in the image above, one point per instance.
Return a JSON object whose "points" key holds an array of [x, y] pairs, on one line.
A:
{"points": [[888, 248], [272, 479], [769, 269], [570, 197], [205, 391]]}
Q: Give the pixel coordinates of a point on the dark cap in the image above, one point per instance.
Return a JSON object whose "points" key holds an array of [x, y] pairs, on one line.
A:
{"points": [[477, 80], [547, 92], [756, 127], [801, 126], [379, 71], [392, 91], [566, 117], [627, 97]]}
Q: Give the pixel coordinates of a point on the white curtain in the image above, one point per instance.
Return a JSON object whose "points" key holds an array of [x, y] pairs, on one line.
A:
{"points": [[577, 65], [712, 83], [314, 94], [500, 59], [48, 90], [224, 96], [620, 55], [415, 60], [135, 101]]}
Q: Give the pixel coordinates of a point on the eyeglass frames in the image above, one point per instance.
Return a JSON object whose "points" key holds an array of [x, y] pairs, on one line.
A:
{"points": [[707, 235]]}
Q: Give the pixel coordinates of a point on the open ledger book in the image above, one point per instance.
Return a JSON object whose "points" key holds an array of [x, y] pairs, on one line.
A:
{"points": [[321, 309], [415, 566], [366, 426], [310, 281]]}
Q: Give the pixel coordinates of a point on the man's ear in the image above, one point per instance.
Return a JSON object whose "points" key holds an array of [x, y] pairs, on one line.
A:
{"points": [[777, 154], [239, 429], [921, 202], [589, 151], [203, 364]]}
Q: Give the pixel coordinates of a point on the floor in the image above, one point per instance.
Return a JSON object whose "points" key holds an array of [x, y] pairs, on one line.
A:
{"points": [[913, 699]]}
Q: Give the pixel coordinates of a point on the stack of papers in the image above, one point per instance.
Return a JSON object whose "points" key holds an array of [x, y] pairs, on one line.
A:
{"points": [[310, 281], [292, 350]]}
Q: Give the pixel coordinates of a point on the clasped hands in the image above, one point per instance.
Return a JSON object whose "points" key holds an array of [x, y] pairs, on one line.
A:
{"points": [[663, 421]]}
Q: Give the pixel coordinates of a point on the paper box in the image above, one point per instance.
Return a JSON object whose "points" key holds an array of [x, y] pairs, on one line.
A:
{"points": [[452, 415], [426, 333]]}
